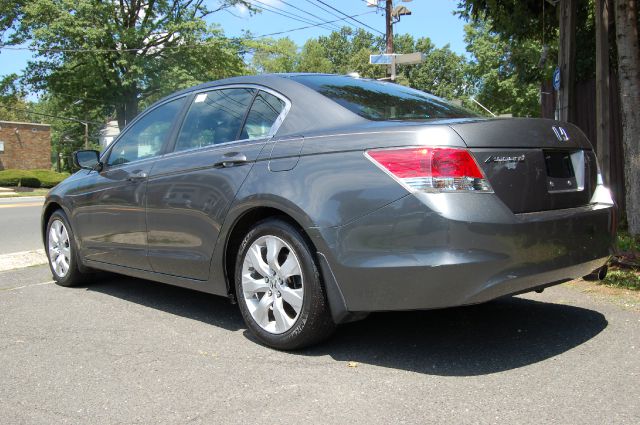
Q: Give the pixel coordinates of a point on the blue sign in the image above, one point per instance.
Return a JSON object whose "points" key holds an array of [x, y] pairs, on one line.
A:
{"points": [[556, 79], [384, 59]]}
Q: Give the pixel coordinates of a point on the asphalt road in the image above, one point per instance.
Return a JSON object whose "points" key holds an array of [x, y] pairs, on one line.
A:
{"points": [[20, 224], [121, 350]]}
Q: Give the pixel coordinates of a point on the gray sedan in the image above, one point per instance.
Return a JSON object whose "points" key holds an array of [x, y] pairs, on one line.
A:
{"points": [[312, 200]]}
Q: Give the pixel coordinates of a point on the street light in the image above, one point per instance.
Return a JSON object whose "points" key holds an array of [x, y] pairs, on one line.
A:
{"points": [[86, 125]]}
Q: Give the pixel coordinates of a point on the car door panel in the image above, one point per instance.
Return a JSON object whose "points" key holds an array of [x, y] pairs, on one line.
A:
{"points": [[110, 204], [110, 217], [188, 197], [191, 189]]}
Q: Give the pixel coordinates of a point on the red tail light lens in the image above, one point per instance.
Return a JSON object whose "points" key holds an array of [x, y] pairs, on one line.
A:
{"points": [[432, 169]]}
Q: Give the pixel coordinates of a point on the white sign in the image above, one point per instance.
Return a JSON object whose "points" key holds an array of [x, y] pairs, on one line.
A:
{"points": [[1, 146], [410, 58]]}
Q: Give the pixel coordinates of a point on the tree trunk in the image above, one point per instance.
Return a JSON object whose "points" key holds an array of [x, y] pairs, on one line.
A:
{"points": [[626, 14], [127, 110]]}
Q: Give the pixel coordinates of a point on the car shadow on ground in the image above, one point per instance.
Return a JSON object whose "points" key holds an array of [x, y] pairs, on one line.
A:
{"points": [[497, 336]]}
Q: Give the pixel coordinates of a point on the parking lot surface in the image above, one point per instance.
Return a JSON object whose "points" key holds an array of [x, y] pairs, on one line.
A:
{"points": [[121, 350]]}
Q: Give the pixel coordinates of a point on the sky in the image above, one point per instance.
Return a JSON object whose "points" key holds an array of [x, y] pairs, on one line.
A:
{"points": [[430, 18]]}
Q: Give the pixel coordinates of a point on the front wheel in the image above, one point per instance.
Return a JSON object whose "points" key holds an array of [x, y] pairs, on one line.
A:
{"points": [[61, 250], [279, 289]]}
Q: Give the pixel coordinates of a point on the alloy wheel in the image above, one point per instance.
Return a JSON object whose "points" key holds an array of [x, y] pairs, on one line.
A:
{"points": [[59, 248], [272, 284]]}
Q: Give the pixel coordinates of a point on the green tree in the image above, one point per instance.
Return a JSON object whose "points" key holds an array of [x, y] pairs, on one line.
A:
{"points": [[313, 58], [502, 71], [443, 73], [125, 53], [12, 103], [271, 56]]}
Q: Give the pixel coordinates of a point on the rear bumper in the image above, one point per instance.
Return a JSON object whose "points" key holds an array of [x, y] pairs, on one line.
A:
{"points": [[441, 250]]}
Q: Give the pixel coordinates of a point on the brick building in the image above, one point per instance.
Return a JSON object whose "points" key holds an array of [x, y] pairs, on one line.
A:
{"points": [[25, 146]]}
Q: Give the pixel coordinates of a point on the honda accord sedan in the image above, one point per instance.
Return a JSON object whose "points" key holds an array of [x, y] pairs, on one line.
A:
{"points": [[311, 200]]}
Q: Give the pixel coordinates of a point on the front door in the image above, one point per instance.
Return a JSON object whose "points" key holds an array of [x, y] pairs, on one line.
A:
{"points": [[191, 189], [109, 213]]}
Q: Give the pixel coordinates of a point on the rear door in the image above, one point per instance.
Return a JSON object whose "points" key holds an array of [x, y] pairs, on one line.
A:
{"points": [[190, 189]]}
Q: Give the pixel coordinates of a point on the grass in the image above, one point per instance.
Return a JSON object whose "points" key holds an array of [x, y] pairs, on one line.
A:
{"points": [[31, 178], [623, 278], [24, 192], [624, 270]]}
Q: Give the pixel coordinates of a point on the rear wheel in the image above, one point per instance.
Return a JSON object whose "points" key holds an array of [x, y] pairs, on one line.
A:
{"points": [[61, 250], [279, 289]]}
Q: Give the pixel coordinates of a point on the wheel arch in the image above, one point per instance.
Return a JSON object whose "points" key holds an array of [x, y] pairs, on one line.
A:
{"points": [[48, 210], [241, 225], [248, 219]]}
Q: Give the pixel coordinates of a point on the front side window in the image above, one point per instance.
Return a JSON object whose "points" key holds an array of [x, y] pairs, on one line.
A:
{"points": [[214, 117], [147, 136], [263, 114]]}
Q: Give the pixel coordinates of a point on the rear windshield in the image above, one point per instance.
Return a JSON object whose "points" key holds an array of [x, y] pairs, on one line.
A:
{"points": [[380, 101]]}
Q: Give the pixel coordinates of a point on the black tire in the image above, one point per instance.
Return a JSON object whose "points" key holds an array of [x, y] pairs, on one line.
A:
{"points": [[73, 276], [314, 322]]}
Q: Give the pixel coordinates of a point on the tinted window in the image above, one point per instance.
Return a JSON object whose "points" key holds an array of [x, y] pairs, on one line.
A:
{"points": [[147, 136], [214, 117], [263, 114], [375, 100]]}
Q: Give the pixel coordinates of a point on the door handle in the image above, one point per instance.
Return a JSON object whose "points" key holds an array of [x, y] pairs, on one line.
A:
{"points": [[231, 159], [136, 177]]}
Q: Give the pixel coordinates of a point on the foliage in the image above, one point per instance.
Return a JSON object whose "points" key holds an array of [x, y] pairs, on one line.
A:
{"points": [[536, 21], [314, 58], [12, 101], [628, 243], [123, 53], [31, 178], [505, 74], [621, 278], [274, 56]]}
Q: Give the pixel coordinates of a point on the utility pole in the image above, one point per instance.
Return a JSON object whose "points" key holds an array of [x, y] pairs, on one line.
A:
{"points": [[388, 14], [603, 91], [567, 60], [388, 9]]}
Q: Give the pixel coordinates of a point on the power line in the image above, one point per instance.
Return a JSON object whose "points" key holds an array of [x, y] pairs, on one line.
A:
{"points": [[309, 26], [304, 11], [286, 14], [184, 46], [350, 17], [26, 111]]}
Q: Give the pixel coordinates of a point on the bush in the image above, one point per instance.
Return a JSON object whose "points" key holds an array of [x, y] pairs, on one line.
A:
{"points": [[31, 178], [29, 182]]}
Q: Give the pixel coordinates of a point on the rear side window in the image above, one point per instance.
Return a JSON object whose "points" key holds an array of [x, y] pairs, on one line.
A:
{"points": [[379, 101], [214, 117], [263, 114]]}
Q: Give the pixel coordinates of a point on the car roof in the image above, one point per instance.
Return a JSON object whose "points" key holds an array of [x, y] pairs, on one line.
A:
{"points": [[310, 111]]}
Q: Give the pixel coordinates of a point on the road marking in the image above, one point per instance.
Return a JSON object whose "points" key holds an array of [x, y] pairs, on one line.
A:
{"points": [[25, 204], [19, 260], [26, 286]]}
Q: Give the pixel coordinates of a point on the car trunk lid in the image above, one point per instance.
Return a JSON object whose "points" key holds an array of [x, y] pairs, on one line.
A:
{"points": [[533, 164]]}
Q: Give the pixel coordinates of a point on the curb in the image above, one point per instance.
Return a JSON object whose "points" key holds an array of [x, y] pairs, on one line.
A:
{"points": [[19, 260]]}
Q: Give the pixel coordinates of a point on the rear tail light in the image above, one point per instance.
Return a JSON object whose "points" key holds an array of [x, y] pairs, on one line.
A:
{"points": [[432, 169]]}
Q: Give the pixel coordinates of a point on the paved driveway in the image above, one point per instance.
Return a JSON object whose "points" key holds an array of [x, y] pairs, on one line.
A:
{"points": [[129, 351]]}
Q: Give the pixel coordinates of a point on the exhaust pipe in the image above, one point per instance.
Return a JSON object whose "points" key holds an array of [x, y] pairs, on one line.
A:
{"points": [[597, 274]]}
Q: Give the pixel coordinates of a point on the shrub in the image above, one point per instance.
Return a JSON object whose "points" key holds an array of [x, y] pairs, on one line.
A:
{"points": [[29, 182], [31, 178]]}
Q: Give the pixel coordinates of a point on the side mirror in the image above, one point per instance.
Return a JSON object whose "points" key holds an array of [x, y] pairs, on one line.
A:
{"points": [[87, 159]]}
